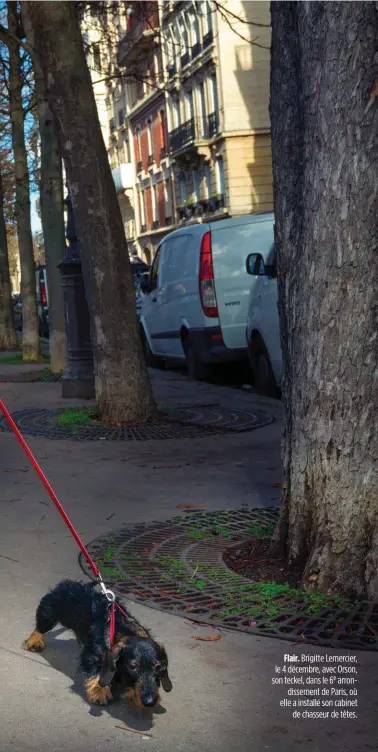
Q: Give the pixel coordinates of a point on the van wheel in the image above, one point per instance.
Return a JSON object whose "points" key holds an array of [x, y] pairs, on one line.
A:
{"points": [[262, 371], [197, 371], [151, 359]]}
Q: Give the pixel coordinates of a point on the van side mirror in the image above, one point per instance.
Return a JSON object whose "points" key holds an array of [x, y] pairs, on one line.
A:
{"points": [[255, 264], [145, 282]]}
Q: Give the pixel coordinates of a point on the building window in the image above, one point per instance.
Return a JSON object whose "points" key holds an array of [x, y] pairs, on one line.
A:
{"points": [[208, 180], [202, 107], [126, 151], [154, 207], [139, 145], [193, 24], [189, 105], [149, 141], [112, 125], [183, 189], [196, 185], [183, 35], [207, 23], [142, 210], [167, 201], [96, 58], [220, 176], [214, 93], [176, 119], [121, 117], [162, 133]]}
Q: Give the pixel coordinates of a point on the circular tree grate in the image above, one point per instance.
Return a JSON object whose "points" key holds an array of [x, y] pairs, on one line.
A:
{"points": [[177, 566], [182, 422], [45, 375]]}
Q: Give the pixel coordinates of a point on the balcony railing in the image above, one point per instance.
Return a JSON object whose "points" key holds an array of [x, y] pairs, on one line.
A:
{"points": [[139, 166], [185, 59], [143, 228], [213, 126], [151, 159], [183, 135], [163, 152], [155, 224], [208, 39], [195, 129], [137, 39], [201, 207]]}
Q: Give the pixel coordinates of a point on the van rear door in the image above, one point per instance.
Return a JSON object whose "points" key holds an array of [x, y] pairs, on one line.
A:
{"points": [[232, 241]]}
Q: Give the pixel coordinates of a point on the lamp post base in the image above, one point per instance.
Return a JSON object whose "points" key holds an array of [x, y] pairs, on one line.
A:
{"points": [[78, 388]]}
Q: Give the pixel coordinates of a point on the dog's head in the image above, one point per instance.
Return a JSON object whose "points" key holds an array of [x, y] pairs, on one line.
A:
{"points": [[137, 666]]}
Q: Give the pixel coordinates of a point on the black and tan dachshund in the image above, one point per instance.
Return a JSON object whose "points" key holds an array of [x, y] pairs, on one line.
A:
{"points": [[133, 668]]}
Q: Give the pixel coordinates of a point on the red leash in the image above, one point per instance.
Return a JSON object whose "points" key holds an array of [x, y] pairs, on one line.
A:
{"points": [[108, 593]]}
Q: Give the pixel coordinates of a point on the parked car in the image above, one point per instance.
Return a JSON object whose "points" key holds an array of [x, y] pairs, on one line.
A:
{"points": [[263, 332], [195, 302]]}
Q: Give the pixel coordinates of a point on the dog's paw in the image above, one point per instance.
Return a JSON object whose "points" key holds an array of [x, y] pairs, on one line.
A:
{"points": [[97, 695], [35, 643]]}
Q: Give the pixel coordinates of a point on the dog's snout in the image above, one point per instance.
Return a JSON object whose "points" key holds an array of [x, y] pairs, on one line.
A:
{"points": [[149, 700]]}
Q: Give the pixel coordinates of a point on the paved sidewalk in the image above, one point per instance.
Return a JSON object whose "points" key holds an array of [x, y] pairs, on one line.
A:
{"points": [[223, 696]]}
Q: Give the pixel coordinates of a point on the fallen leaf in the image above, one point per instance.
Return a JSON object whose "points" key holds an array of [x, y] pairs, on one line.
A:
{"points": [[208, 639], [252, 623], [189, 506]]}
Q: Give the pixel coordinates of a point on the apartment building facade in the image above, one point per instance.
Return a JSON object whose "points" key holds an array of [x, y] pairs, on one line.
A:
{"points": [[187, 125], [217, 93]]}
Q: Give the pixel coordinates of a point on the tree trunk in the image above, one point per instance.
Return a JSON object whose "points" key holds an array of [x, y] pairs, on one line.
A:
{"points": [[52, 212], [8, 339], [30, 334], [325, 154], [123, 389]]}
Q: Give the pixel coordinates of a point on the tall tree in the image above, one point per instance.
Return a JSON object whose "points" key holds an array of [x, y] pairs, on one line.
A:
{"points": [[30, 334], [324, 113], [123, 389], [8, 339], [52, 214]]}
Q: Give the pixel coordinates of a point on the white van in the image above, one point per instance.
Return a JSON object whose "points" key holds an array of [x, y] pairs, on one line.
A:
{"points": [[263, 330], [195, 300]]}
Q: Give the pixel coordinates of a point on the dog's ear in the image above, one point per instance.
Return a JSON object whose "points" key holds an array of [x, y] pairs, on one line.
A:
{"points": [[109, 664], [166, 682], [164, 677]]}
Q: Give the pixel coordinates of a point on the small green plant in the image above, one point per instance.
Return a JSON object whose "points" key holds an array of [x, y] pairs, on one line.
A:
{"points": [[77, 416], [261, 529]]}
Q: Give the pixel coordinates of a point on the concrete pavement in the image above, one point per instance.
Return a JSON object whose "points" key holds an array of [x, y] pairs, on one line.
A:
{"points": [[223, 695]]}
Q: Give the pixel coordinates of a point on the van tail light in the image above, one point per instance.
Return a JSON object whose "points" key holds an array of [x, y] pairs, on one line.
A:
{"points": [[42, 290], [206, 279]]}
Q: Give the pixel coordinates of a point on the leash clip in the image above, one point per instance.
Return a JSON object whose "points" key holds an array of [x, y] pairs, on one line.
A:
{"points": [[109, 595]]}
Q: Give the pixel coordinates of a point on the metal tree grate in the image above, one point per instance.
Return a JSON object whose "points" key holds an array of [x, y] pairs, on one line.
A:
{"points": [[181, 423], [177, 566]]}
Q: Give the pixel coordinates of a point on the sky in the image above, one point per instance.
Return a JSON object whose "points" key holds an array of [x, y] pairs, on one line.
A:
{"points": [[35, 220]]}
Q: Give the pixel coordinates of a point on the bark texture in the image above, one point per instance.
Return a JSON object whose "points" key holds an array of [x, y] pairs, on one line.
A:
{"points": [[324, 85], [8, 339], [123, 389], [30, 334], [52, 211]]}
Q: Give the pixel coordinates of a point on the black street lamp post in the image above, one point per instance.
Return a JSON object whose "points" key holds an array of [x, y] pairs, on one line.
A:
{"points": [[78, 377]]}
